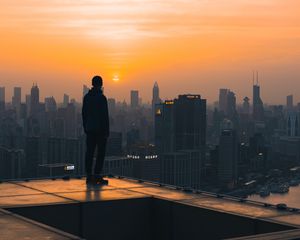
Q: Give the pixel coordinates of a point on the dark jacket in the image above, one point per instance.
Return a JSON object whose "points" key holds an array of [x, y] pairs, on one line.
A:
{"points": [[95, 113]]}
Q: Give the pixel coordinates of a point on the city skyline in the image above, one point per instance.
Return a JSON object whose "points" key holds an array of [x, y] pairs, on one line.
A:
{"points": [[186, 47], [9, 95]]}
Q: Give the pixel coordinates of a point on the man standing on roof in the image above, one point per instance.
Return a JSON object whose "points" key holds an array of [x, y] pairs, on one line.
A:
{"points": [[96, 126]]}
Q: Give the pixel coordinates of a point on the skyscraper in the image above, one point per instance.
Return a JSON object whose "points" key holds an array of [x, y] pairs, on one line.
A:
{"points": [[16, 99], [293, 124], [258, 106], [289, 102], [134, 98], [66, 100], [180, 138], [223, 99], [246, 105], [111, 102], [50, 104], [164, 127], [34, 100], [85, 90], [180, 124], [155, 96], [190, 122], [228, 154], [2, 99], [231, 106]]}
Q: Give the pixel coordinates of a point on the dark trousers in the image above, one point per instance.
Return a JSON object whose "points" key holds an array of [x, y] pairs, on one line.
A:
{"points": [[92, 141]]}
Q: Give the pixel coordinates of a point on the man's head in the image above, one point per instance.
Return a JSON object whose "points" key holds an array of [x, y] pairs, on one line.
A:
{"points": [[97, 82]]}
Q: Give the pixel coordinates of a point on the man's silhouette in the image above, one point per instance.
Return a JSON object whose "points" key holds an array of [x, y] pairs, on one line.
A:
{"points": [[96, 126]]}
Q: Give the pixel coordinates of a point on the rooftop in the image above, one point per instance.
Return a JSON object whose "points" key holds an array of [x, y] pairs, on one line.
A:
{"points": [[129, 209]]}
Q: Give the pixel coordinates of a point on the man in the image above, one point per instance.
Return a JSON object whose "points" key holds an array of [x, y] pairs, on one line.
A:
{"points": [[96, 126]]}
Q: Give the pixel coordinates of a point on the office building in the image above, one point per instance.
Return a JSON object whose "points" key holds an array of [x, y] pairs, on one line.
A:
{"points": [[66, 100], [50, 104], [155, 96], [289, 103], [180, 124], [258, 106], [34, 100], [134, 99], [85, 90], [181, 168], [111, 102], [180, 139], [16, 99], [12, 163], [228, 155], [231, 112], [246, 105], [293, 124], [114, 144], [223, 99], [2, 99]]}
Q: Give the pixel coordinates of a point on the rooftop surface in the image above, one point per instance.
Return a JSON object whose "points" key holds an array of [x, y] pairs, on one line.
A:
{"points": [[67, 204]]}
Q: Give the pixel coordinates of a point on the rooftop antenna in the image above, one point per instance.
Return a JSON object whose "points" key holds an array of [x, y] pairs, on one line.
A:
{"points": [[257, 78], [253, 77]]}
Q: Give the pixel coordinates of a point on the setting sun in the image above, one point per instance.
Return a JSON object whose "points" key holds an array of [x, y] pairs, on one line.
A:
{"points": [[116, 78]]}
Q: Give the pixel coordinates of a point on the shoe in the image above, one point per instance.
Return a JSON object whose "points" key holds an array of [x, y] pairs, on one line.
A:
{"points": [[101, 181], [90, 180]]}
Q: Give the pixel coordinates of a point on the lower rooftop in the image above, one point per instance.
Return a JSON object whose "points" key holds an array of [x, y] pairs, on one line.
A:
{"points": [[130, 209]]}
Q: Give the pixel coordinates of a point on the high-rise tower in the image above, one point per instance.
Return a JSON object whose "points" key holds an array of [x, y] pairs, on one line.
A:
{"points": [[258, 106], [155, 96], [289, 102], [134, 98], [2, 99], [16, 99], [34, 100], [180, 124]]}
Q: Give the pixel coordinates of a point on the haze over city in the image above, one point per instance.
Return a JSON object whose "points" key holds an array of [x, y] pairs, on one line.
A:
{"points": [[186, 46]]}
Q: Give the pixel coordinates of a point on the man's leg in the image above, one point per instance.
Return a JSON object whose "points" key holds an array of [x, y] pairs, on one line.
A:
{"points": [[89, 155], [101, 147]]}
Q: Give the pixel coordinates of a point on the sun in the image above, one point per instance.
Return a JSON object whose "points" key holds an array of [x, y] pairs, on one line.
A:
{"points": [[116, 78]]}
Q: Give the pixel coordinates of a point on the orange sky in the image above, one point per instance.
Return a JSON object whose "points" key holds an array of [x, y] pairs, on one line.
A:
{"points": [[195, 46]]}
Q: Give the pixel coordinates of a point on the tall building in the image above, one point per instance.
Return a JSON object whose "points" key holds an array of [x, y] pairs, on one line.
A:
{"points": [[2, 99], [12, 163], [223, 99], [28, 105], [246, 106], [85, 90], [289, 102], [227, 103], [230, 111], [155, 96], [34, 100], [32, 156], [181, 124], [16, 99], [180, 139], [228, 155], [181, 168], [164, 127], [134, 98], [70, 120], [50, 104], [114, 144], [66, 100], [293, 124], [258, 106], [111, 102], [190, 122]]}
